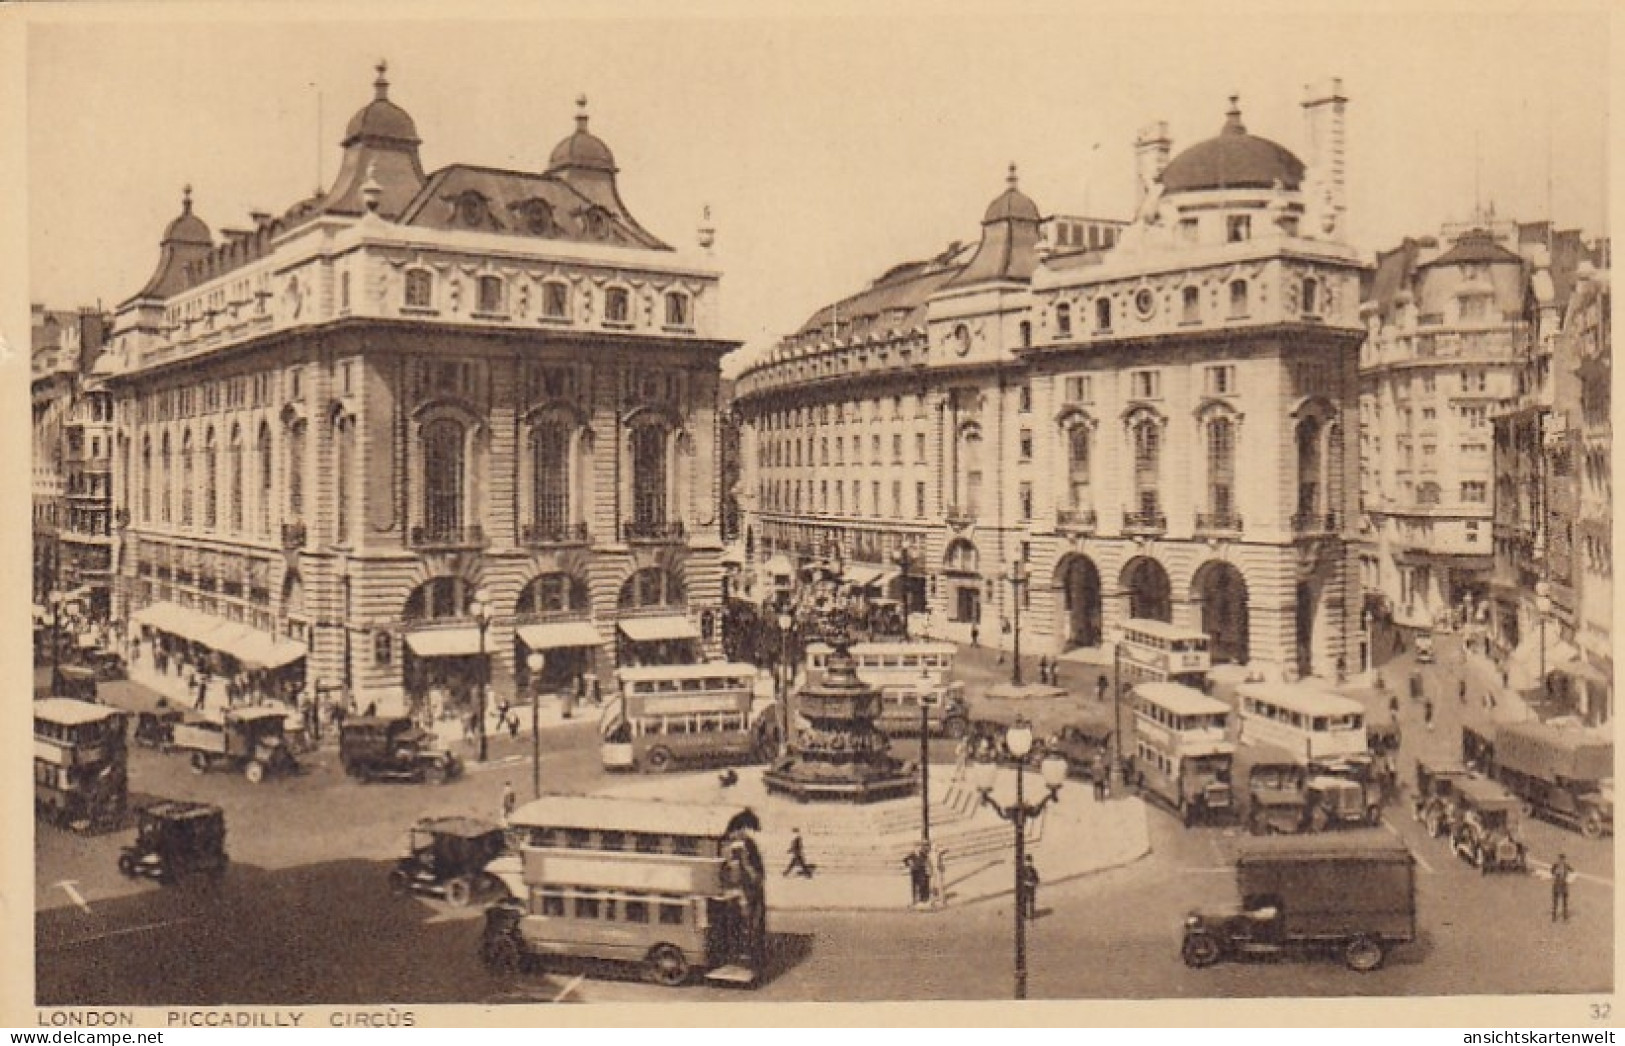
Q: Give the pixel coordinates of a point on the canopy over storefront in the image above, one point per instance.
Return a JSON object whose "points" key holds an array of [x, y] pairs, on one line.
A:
{"points": [[780, 566], [656, 629], [255, 649], [445, 642], [556, 635]]}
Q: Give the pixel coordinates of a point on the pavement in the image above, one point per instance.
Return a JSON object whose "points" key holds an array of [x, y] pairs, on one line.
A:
{"points": [[856, 851]]}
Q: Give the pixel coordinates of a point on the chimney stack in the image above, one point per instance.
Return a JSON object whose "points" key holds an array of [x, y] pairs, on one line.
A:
{"points": [[1325, 197], [1151, 149]]}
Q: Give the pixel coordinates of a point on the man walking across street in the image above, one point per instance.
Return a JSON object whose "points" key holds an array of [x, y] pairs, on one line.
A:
{"points": [[1562, 872], [798, 856], [1427, 713], [509, 801], [1100, 688]]}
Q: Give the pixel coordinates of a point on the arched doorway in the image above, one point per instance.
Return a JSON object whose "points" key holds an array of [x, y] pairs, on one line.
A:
{"points": [[1150, 594], [1222, 592], [1079, 581]]}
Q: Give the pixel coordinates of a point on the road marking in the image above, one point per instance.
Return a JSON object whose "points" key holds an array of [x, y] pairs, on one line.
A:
{"points": [[568, 988], [1423, 861], [68, 888], [65, 945], [493, 764]]}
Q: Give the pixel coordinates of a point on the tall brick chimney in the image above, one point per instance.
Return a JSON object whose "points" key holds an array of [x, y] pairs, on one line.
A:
{"points": [[1325, 196]]}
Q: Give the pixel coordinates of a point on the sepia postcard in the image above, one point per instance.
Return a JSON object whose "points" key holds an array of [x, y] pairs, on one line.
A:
{"points": [[631, 514]]}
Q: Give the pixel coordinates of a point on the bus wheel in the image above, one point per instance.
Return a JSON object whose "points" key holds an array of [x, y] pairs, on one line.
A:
{"points": [[458, 891], [1200, 950], [659, 760], [1362, 954], [667, 965]]}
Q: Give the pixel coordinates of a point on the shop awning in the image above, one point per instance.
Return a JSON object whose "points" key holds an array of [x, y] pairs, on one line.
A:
{"points": [[257, 649], [654, 629], [779, 566], [862, 577], [886, 577], [445, 642], [734, 553], [555, 635]]}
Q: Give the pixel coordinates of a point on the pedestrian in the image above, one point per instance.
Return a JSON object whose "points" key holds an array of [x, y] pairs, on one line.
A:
{"points": [[939, 878], [919, 876], [1342, 668], [1427, 713], [1028, 881], [1461, 692], [509, 801], [1562, 872], [513, 725], [197, 705], [1393, 708], [798, 856], [975, 635], [1101, 777], [1101, 686], [961, 758]]}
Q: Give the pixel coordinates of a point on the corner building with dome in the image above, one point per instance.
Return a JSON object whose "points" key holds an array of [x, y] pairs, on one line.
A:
{"points": [[340, 426], [1158, 418]]}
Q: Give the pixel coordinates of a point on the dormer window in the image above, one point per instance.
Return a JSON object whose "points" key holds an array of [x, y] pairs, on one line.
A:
{"points": [[677, 310], [1238, 228], [491, 294], [419, 289], [556, 301], [617, 306]]}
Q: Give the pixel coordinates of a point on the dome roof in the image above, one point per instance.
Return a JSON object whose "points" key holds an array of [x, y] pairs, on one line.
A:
{"points": [[381, 118], [582, 149], [1232, 160], [188, 228], [1012, 204]]}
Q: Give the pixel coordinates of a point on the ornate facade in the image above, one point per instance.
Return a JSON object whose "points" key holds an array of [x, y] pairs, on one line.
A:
{"points": [[339, 426], [1088, 411]]}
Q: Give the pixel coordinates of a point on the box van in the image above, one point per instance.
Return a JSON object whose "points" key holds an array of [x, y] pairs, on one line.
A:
{"points": [[1352, 894]]}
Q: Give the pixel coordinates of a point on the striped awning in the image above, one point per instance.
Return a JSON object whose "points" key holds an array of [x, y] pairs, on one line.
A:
{"points": [[655, 629], [555, 635], [445, 642]]}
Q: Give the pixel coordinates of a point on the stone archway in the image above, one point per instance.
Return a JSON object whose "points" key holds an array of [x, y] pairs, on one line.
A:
{"points": [[1221, 591], [1078, 580], [1150, 594]]}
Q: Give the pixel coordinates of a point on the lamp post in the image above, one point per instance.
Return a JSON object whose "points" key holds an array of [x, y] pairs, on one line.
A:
{"points": [[927, 698], [1019, 739], [535, 662], [1543, 607], [1018, 578], [55, 600], [785, 621], [905, 559], [481, 609], [1115, 771]]}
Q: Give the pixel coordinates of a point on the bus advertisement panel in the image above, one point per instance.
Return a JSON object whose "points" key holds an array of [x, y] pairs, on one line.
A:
{"points": [[1304, 719], [662, 715], [1158, 652], [1183, 752], [675, 888]]}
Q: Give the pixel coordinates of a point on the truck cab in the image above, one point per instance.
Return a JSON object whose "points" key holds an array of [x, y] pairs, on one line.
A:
{"points": [[1351, 894]]}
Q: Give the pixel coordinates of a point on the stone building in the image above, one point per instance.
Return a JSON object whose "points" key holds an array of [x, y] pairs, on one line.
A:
{"points": [[1154, 419], [340, 425], [1587, 327]]}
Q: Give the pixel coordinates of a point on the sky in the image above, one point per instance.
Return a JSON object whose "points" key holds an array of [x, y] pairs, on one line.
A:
{"points": [[829, 141]]}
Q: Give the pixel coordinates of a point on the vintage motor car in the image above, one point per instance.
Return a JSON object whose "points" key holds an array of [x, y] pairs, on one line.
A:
{"points": [[394, 747], [249, 739], [107, 664], [1086, 747], [1352, 894], [74, 681], [447, 858], [1424, 648], [1435, 801], [155, 728], [176, 840], [1288, 798], [1482, 832]]}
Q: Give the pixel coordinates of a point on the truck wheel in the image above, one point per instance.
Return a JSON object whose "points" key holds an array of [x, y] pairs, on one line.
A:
{"points": [[659, 760], [1363, 954], [254, 771], [200, 762], [1200, 950], [668, 966], [126, 866], [1591, 825], [458, 891]]}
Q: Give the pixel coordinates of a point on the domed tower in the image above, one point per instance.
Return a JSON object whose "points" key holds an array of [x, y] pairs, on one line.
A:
{"points": [[186, 240], [584, 163], [1010, 234], [382, 140]]}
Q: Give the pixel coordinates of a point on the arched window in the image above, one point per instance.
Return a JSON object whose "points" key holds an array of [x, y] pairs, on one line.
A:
{"points": [[438, 597], [235, 467], [164, 509], [651, 587], [443, 479], [1077, 466], [187, 478], [971, 449], [553, 594], [211, 481], [146, 479], [1309, 466], [648, 474], [550, 477], [296, 471], [267, 478], [1147, 437], [1221, 467], [1026, 334]]}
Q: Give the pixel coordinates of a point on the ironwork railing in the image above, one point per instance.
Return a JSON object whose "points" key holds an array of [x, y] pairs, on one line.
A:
{"points": [[554, 533], [1314, 522], [1153, 521], [448, 537], [1218, 522], [651, 530], [1083, 518], [960, 514]]}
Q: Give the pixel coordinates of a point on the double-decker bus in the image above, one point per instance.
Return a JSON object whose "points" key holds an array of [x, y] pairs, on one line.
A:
{"points": [[665, 714], [1154, 651], [673, 887], [81, 764], [1303, 718], [908, 674], [1182, 749]]}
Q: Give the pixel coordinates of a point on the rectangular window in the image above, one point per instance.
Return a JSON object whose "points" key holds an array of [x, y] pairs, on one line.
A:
{"points": [[1026, 500], [677, 310], [419, 289], [897, 448], [1026, 398], [671, 915], [1146, 384], [636, 911], [1079, 389], [897, 499], [490, 294], [919, 500], [1221, 381], [1188, 229], [1238, 228], [874, 489], [874, 449], [919, 448], [556, 301]]}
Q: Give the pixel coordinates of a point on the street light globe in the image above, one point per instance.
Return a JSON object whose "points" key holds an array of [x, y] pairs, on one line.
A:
{"points": [[535, 662], [1019, 739], [1543, 604], [785, 621], [1053, 771], [982, 776]]}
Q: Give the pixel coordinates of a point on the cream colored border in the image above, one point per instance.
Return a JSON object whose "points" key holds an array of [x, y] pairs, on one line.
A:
{"points": [[15, 900]]}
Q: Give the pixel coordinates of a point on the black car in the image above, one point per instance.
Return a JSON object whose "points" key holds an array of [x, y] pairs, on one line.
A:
{"points": [[447, 859], [176, 840], [394, 747]]}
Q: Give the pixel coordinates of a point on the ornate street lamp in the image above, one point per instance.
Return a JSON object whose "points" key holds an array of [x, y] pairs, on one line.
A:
{"points": [[1019, 740], [1543, 607], [1018, 578], [785, 674], [481, 611], [928, 697], [535, 663]]}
